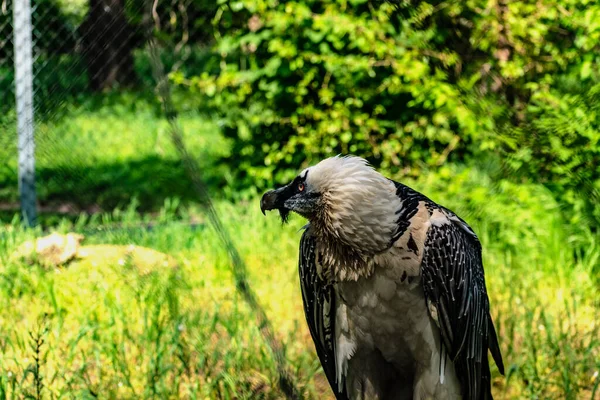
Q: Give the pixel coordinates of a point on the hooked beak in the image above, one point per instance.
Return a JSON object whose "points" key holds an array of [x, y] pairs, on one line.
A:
{"points": [[272, 200]]}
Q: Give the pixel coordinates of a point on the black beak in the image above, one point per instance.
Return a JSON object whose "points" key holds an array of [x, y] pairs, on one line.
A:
{"points": [[272, 200], [267, 202]]}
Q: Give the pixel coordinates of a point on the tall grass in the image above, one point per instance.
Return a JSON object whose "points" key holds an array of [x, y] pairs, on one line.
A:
{"points": [[133, 324]]}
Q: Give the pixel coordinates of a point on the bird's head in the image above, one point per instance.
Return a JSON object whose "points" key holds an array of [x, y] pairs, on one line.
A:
{"points": [[302, 195], [344, 196]]}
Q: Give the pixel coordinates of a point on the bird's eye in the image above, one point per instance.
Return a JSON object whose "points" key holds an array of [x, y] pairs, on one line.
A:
{"points": [[301, 187]]}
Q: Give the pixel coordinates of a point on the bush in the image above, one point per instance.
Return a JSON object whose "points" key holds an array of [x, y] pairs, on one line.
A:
{"points": [[410, 87], [559, 146], [311, 79]]}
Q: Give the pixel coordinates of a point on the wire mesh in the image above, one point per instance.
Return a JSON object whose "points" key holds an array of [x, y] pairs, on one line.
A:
{"points": [[106, 134]]}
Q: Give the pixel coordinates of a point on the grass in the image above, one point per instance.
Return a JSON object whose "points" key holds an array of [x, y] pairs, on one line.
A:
{"points": [[102, 152], [112, 326], [123, 330]]}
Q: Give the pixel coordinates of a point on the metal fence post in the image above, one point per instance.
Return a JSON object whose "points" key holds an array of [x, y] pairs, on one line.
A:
{"points": [[24, 101]]}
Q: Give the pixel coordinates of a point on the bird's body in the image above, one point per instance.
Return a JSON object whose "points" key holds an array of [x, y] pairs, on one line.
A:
{"points": [[387, 328], [392, 285]]}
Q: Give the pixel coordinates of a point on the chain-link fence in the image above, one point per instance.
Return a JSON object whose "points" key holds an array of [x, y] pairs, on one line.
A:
{"points": [[91, 58], [89, 121]]}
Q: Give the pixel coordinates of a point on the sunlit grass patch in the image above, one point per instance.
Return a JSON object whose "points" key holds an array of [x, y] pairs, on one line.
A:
{"points": [[169, 323], [103, 152], [126, 325], [549, 333]]}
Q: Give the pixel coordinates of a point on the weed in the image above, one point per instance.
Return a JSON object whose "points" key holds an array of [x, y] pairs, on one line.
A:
{"points": [[37, 340]]}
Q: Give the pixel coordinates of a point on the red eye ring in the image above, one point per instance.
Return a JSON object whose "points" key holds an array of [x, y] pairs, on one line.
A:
{"points": [[301, 187]]}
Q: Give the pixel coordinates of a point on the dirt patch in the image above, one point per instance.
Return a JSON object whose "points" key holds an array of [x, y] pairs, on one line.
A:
{"points": [[58, 250]]}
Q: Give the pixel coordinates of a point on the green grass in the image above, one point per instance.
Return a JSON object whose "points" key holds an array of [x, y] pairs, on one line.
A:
{"points": [[118, 328], [107, 150]]}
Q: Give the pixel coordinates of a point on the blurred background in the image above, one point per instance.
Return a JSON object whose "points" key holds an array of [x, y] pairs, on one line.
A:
{"points": [[114, 281]]}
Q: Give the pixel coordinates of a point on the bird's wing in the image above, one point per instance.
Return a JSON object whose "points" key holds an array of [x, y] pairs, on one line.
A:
{"points": [[319, 308], [454, 285]]}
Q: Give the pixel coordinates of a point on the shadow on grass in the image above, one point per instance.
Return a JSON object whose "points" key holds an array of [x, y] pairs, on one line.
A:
{"points": [[104, 187]]}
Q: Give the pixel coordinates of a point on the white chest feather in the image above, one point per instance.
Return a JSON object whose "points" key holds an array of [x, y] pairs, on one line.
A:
{"points": [[379, 315], [388, 315], [386, 312]]}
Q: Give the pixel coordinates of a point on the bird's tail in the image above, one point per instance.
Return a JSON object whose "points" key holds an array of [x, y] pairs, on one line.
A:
{"points": [[495, 347]]}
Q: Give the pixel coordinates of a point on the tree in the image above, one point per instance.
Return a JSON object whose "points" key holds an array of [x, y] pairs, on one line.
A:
{"points": [[108, 42]]}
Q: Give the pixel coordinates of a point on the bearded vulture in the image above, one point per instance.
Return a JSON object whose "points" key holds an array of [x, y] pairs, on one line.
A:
{"points": [[393, 286]]}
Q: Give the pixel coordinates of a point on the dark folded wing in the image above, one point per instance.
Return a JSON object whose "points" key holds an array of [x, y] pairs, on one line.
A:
{"points": [[319, 309], [454, 283]]}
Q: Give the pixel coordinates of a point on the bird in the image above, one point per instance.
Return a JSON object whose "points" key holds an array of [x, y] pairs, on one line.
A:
{"points": [[392, 284]]}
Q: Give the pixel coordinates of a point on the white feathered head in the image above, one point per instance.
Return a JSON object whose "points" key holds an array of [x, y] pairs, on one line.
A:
{"points": [[344, 198]]}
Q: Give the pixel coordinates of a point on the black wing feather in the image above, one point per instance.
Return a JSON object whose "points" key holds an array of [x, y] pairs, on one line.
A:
{"points": [[319, 308], [453, 280]]}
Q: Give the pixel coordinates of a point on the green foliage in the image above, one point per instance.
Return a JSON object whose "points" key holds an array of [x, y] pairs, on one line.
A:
{"points": [[308, 79], [507, 212], [58, 26], [410, 86], [559, 145], [54, 46]]}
